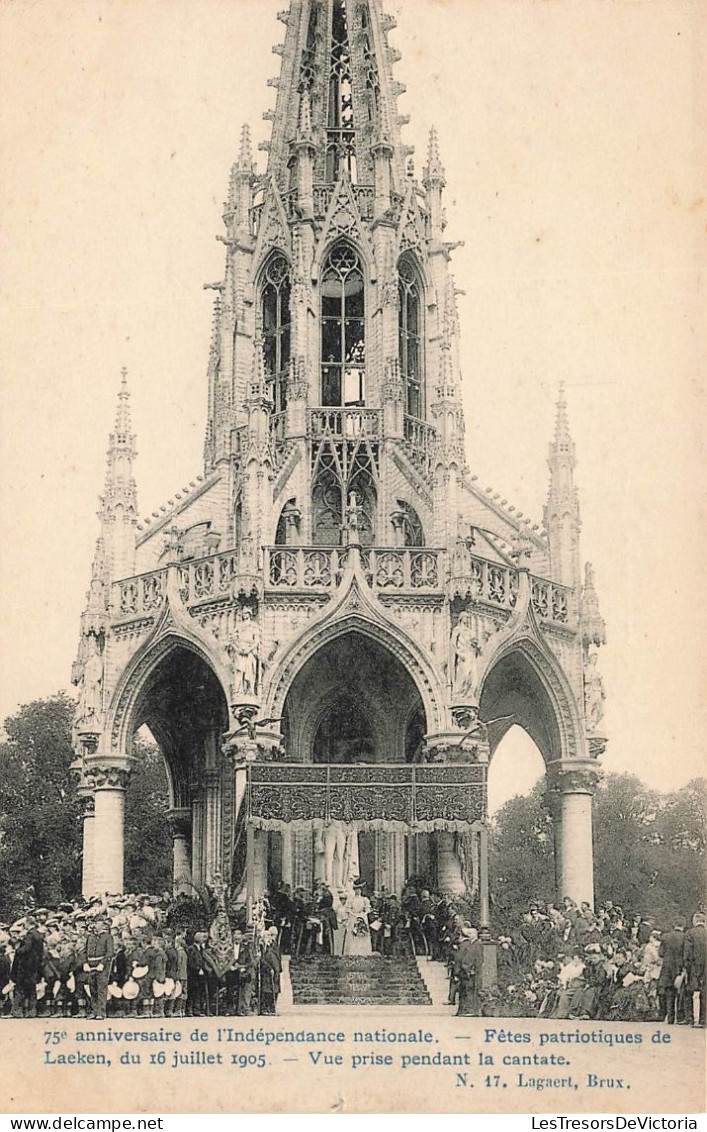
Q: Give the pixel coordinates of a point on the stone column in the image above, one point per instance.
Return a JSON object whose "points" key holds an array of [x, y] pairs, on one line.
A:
{"points": [[108, 838], [449, 869], [213, 824], [180, 822], [576, 785], [484, 905], [87, 857], [198, 866]]}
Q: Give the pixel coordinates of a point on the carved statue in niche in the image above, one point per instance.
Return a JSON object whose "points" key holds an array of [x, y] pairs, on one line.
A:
{"points": [[594, 694], [91, 698], [244, 650], [465, 652]]}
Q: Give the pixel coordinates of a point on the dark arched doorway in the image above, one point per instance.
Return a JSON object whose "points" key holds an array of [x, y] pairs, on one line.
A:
{"points": [[354, 702], [184, 706]]}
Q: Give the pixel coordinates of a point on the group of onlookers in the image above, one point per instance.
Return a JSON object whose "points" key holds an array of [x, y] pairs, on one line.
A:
{"points": [[123, 957], [134, 956], [572, 962]]}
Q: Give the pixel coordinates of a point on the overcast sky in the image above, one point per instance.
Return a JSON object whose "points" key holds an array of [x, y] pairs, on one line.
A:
{"points": [[568, 135]]}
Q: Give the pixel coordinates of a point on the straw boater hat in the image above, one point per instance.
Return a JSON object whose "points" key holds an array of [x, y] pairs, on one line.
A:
{"points": [[131, 990]]}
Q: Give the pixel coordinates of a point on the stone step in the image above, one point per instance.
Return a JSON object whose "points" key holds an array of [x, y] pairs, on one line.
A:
{"points": [[356, 980]]}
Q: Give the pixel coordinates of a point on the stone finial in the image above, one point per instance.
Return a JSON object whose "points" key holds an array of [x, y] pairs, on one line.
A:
{"points": [[592, 622], [244, 163], [434, 170], [122, 436]]}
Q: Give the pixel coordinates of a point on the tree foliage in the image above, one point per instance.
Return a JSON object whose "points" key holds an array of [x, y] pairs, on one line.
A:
{"points": [[40, 815], [40, 812], [649, 849]]}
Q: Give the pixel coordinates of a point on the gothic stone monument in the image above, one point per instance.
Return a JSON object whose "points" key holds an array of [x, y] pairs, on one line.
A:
{"points": [[330, 630]]}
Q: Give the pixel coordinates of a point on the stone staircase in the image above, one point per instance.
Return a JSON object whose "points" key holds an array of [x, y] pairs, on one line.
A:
{"points": [[357, 980]]}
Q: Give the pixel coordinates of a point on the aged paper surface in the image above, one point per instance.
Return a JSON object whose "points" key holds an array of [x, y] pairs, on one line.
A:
{"points": [[570, 138]]}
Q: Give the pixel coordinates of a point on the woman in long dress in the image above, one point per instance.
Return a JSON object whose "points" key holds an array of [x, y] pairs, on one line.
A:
{"points": [[357, 938]]}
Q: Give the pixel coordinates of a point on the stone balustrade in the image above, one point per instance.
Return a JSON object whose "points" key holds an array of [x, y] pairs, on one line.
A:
{"points": [[496, 585], [421, 438], [408, 570], [344, 424], [138, 597], [321, 568], [206, 579]]}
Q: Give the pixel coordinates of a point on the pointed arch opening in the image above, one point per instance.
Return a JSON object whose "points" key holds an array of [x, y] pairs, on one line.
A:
{"points": [[343, 329], [275, 313], [516, 767], [514, 693], [181, 705], [410, 335], [353, 701]]}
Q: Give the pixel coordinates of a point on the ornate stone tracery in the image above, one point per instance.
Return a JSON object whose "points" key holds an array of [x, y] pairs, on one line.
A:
{"points": [[335, 431]]}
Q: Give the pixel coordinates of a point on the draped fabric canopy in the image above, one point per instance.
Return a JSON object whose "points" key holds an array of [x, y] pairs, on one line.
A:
{"points": [[368, 796]]}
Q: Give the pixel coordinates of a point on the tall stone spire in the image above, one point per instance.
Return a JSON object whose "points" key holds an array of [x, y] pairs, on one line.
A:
{"points": [[118, 504], [337, 60], [562, 519]]}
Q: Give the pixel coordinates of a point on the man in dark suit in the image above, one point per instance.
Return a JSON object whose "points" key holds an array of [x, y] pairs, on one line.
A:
{"points": [[197, 992], [26, 970], [696, 967], [672, 952], [99, 958]]}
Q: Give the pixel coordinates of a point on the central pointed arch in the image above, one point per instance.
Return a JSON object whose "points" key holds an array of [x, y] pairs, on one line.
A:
{"points": [[390, 638]]}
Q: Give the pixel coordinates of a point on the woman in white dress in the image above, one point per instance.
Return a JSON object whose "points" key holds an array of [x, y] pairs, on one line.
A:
{"points": [[357, 937]]}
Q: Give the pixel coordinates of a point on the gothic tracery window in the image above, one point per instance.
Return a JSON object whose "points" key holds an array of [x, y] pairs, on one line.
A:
{"points": [[275, 307], [341, 149], [343, 328], [339, 473], [410, 337]]}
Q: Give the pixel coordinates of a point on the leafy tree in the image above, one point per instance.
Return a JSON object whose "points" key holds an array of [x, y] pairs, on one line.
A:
{"points": [[649, 849], [148, 839], [521, 855], [40, 812], [40, 824], [649, 846]]}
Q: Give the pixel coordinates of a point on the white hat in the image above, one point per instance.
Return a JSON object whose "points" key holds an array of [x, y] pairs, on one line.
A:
{"points": [[114, 991], [131, 990], [158, 988]]}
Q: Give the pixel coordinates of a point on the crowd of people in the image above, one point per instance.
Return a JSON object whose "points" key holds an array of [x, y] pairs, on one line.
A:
{"points": [[573, 962], [130, 956], [165, 957]]}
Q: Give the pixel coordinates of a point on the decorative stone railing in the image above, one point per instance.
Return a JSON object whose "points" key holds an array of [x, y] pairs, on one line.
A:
{"points": [[138, 597], [278, 428], [497, 585], [551, 601], [367, 795], [422, 440], [206, 579], [320, 568], [344, 424]]}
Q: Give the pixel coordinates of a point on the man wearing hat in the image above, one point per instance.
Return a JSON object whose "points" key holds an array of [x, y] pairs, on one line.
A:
{"points": [[696, 967], [99, 958], [26, 971]]}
